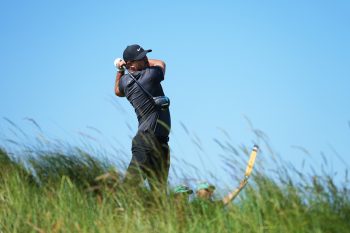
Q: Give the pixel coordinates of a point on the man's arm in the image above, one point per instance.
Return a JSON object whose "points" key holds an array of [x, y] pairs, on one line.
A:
{"points": [[161, 64], [232, 195], [117, 80], [120, 64]]}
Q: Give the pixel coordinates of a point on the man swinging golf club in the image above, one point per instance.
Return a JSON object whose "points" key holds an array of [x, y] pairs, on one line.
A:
{"points": [[142, 87]]}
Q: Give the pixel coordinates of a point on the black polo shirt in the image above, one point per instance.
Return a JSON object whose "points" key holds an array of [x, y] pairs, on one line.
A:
{"points": [[149, 118]]}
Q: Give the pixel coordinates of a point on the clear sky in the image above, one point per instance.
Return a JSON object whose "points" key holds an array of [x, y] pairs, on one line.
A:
{"points": [[284, 66]]}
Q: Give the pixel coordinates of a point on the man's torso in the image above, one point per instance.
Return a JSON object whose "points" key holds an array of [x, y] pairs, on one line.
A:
{"points": [[149, 118]]}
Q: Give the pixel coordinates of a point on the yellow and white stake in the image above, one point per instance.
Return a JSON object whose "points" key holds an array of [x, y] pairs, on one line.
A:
{"points": [[251, 162], [231, 196]]}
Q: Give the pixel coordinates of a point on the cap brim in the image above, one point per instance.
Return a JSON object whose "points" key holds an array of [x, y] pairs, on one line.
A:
{"points": [[143, 54], [185, 191]]}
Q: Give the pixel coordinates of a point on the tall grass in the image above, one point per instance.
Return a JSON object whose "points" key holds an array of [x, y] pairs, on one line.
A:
{"points": [[79, 193], [66, 189]]}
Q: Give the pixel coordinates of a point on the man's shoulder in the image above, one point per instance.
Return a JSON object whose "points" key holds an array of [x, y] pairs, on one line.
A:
{"points": [[154, 68], [154, 71], [124, 79]]}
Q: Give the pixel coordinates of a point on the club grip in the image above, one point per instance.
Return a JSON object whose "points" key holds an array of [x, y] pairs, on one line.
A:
{"points": [[116, 61]]}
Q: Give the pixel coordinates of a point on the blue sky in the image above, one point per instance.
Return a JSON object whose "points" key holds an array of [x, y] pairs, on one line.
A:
{"points": [[284, 65]]}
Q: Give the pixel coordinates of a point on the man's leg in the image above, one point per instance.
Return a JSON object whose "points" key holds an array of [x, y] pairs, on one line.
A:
{"points": [[164, 164], [151, 160], [140, 149], [159, 167]]}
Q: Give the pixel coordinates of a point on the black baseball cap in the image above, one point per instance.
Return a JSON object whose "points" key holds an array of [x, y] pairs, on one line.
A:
{"points": [[135, 52]]}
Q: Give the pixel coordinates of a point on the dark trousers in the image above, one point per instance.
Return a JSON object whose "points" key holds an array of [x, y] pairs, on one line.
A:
{"points": [[150, 160]]}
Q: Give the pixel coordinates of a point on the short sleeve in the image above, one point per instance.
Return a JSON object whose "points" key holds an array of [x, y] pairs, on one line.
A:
{"points": [[156, 73]]}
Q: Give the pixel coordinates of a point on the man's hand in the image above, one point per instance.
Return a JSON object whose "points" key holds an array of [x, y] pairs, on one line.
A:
{"points": [[243, 183], [119, 63]]}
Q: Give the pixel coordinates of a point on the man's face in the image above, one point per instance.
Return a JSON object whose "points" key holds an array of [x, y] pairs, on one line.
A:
{"points": [[138, 65], [205, 194]]}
